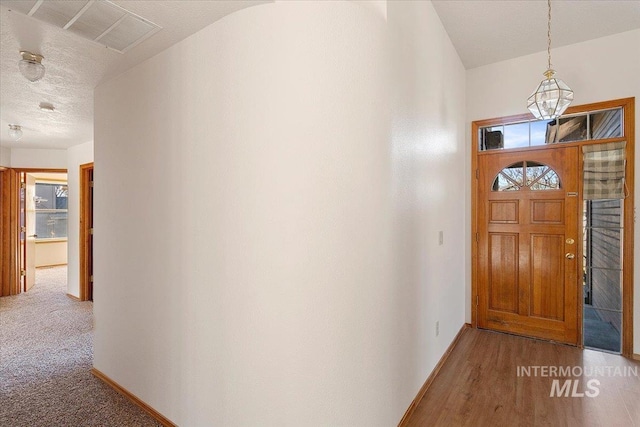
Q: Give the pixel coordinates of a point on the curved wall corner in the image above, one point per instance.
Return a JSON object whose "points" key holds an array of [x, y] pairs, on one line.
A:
{"points": [[251, 161]]}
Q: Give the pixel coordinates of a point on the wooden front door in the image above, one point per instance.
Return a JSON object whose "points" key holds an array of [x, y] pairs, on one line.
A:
{"points": [[528, 257]]}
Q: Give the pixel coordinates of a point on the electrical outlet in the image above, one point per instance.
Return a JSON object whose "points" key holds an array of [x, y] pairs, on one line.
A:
{"points": [[437, 328], [441, 238]]}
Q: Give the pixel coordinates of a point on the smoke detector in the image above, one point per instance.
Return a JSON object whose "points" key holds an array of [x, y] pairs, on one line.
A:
{"points": [[46, 106]]}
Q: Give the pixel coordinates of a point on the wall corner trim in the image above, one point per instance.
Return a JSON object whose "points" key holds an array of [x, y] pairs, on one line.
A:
{"points": [[423, 390], [126, 393]]}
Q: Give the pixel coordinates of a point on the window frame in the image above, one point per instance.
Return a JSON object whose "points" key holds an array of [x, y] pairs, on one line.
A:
{"points": [[49, 210]]}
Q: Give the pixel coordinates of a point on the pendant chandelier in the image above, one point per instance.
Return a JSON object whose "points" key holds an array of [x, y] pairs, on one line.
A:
{"points": [[552, 96]]}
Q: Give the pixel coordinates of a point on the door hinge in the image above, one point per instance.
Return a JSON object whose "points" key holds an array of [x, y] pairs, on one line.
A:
{"points": [[23, 273], [91, 278], [91, 230], [90, 183], [23, 229]]}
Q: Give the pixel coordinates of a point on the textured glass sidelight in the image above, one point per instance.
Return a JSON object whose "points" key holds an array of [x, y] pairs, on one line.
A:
{"points": [[526, 175]]}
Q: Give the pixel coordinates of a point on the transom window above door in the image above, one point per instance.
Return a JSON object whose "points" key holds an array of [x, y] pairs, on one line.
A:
{"points": [[527, 175], [588, 125]]}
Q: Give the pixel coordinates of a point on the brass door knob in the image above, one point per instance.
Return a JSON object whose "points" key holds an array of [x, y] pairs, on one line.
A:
{"points": [[570, 255]]}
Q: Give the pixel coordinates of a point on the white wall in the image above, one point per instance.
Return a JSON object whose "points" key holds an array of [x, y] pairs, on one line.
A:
{"points": [[51, 253], [267, 217], [76, 156], [38, 158], [5, 156], [428, 152], [597, 70]]}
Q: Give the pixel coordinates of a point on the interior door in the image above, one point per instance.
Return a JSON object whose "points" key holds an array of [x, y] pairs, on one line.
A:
{"points": [[528, 242], [90, 237], [86, 232], [22, 216], [30, 224]]}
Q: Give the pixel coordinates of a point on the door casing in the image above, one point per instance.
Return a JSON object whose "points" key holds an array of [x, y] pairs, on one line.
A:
{"points": [[628, 106], [86, 232], [29, 249], [10, 278]]}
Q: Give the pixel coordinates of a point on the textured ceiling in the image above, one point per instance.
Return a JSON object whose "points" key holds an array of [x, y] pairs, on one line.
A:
{"points": [[75, 66], [488, 31], [483, 32]]}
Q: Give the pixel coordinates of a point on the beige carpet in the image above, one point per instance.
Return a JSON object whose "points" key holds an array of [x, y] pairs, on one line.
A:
{"points": [[46, 350]]}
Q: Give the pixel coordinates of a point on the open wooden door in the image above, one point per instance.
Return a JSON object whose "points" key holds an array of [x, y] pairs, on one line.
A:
{"points": [[86, 232], [10, 259], [528, 280], [30, 226]]}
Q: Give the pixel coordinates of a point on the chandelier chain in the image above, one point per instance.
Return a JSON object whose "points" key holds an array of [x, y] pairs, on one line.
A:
{"points": [[552, 96], [549, 35]]}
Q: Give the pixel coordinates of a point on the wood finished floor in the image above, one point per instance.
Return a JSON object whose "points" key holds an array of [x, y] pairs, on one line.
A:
{"points": [[479, 386]]}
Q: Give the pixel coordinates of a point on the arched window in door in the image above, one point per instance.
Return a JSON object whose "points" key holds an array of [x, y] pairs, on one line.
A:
{"points": [[527, 175]]}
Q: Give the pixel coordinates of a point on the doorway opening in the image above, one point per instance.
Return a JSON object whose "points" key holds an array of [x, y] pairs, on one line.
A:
{"points": [[598, 292], [43, 226], [33, 225]]}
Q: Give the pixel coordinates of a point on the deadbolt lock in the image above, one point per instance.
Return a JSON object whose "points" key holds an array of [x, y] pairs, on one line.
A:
{"points": [[570, 255], [570, 241]]}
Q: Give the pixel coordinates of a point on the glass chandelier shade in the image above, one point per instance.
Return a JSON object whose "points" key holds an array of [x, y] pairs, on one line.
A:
{"points": [[15, 132], [551, 98], [30, 66]]}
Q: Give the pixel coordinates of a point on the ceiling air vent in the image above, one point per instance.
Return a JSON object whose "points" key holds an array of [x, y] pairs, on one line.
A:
{"points": [[98, 20]]}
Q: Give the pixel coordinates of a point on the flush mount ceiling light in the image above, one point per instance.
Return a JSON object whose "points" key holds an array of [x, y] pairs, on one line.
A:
{"points": [[15, 132], [552, 96], [31, 66], [47, 106]]}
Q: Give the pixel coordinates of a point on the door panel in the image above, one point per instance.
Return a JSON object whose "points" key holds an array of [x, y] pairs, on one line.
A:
{"points": [[528, 214], [502, 212], [503, 280], [547, 211], [547, 298]]}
